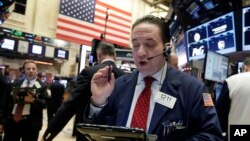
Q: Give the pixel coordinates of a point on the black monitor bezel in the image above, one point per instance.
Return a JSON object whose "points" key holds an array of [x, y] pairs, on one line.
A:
{"points": [[31, 46], [59, 49], [14, 47]]}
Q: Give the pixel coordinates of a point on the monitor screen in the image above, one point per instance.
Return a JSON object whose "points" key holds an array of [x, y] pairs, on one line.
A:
{"points": [[209, 5], [246, 29], [61, 53], [239, 66], [216, 35], [9, 44], [36, 49], [193, 10], [216, 67]]}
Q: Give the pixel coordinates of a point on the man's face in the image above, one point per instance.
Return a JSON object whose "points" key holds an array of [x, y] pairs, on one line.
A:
{"points": [[147, 42], [30, 70]]}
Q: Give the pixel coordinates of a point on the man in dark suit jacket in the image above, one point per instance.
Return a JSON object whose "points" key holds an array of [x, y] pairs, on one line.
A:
{"points": [[4, 86], [81, 93], [57, 90], [33, 101], [179, 107]]}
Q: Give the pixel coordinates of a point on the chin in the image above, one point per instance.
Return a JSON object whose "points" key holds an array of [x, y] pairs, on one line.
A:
{"points": [[145, 71]]}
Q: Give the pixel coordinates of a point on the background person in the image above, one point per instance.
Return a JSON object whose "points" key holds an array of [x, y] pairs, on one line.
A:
{"points": [[21, 116], [179, 107], [234, 100], [57, 91], [81, 93], [4, 86]]}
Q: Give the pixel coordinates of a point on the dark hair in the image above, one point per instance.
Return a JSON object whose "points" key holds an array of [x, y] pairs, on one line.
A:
{"points": [[57, 78], [247, 61], [28, 61], [165, 33], [106, 48]]}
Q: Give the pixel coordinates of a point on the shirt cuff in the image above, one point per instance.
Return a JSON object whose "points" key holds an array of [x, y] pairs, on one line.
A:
{"points": [[93, 111]]}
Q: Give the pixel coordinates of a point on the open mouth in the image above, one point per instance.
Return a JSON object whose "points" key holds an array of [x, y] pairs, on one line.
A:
{"points": [[143, 63]]}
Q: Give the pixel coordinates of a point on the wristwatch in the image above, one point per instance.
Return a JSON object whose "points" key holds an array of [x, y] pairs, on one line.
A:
{"points": [[96, 105]]}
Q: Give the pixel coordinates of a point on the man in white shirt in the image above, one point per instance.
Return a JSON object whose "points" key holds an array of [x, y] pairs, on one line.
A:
{"points": [[234, 101], [21, 114]]}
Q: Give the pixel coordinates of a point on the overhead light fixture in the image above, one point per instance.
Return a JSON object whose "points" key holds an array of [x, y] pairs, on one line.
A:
{"points": [[43, 63]]}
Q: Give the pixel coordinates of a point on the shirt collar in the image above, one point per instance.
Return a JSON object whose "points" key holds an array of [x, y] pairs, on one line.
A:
{"points": [[31, 81], [107, 60], [159, 76]]}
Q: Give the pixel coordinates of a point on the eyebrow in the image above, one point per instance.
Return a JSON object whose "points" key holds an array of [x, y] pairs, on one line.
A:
{"points": [[133, 40]]}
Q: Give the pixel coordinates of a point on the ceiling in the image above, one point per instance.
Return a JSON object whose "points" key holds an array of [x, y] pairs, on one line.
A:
{"points": [[164, 7], [161, 4], [164, 2]]}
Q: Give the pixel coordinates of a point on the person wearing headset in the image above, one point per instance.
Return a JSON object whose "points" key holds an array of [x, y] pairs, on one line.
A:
{"points": [[157, 98]]}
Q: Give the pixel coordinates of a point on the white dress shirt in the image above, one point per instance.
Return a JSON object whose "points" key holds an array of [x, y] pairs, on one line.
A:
{"points": [[155, 88]]}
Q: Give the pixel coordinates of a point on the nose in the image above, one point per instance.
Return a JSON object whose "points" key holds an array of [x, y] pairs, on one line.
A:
{"points": [[31, 70], [142, 51]]}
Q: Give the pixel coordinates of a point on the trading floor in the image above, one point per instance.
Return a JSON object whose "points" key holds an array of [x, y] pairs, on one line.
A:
{"points": [[64, 135]]}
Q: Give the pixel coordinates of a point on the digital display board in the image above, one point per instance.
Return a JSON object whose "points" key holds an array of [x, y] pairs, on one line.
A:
{"points": [[217, 35], [246, 29]]}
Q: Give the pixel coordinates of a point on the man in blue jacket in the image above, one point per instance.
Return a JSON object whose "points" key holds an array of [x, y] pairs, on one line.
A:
{"points": [[178, 107]]}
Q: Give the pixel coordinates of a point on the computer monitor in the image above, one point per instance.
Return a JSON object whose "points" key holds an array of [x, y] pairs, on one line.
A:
{"points": [[9, 45], [216, 67], [35, 49], [193, 10], [61, 53]]}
